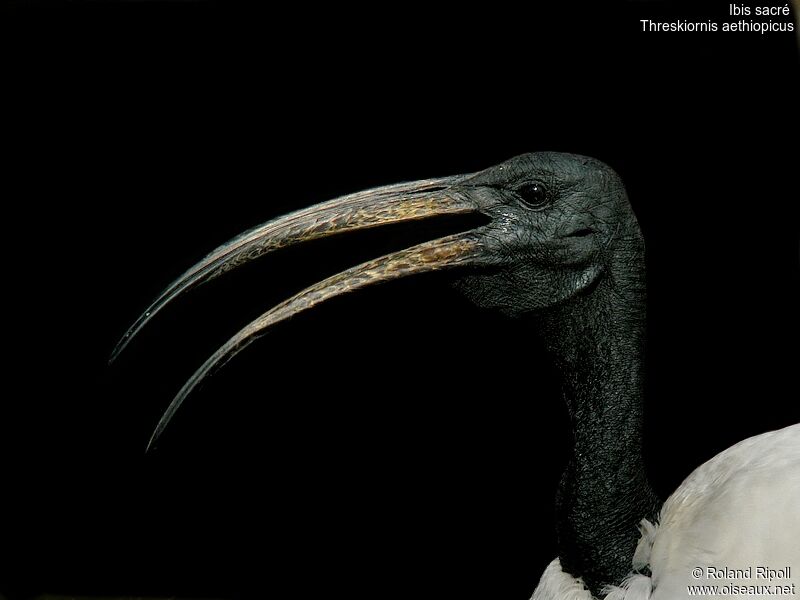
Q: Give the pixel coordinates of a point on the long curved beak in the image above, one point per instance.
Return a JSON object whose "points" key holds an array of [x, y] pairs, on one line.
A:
{"points": [[372, 208]]}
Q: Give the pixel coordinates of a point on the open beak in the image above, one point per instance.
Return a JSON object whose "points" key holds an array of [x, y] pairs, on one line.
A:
{"points": [[382, 206]]}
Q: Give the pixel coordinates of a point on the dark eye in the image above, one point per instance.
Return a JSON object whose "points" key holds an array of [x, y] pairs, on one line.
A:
{"points": [[534, 194]]}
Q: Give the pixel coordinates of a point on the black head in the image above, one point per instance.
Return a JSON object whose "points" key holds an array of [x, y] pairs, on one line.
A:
{"points": [[557, 221]]}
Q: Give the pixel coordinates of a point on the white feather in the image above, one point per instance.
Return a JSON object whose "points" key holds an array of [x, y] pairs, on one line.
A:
{"points": [[635, 587], [641, 557], [740, 509], [557, 585]]}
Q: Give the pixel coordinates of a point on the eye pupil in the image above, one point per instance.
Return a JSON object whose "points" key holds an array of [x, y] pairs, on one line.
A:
{"points": [[533, 194]]}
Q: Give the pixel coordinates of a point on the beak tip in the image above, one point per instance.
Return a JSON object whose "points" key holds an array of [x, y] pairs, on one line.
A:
{"points": [[121, 345], [113, 357], [152, 442]]}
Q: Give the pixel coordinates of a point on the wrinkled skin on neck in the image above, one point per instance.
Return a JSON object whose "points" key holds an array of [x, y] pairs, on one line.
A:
{"points": [[597, 342]]}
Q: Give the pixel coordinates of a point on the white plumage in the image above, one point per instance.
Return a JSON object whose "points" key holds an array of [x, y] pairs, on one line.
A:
{"points": [[738, 511]]}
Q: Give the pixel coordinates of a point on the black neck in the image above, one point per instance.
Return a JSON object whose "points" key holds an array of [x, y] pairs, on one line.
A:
{"points": [[598, 344]]}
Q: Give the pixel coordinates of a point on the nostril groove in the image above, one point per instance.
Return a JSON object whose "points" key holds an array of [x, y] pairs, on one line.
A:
{"points": [[583, 232]]}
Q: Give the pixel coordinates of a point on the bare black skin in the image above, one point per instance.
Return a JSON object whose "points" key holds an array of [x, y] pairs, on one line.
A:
{"points": [[575, 269], [562, 251]]}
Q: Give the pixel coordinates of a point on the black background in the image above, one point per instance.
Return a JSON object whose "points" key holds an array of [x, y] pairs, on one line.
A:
{"points": [[398, 442]]}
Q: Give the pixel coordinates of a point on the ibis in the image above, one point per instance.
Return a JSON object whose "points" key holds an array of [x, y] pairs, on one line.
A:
{"points": [[560, 246]]}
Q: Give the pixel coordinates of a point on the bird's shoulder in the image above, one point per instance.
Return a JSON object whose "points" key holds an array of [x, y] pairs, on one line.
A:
{"points": [[768, 459], [737, 510]]}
